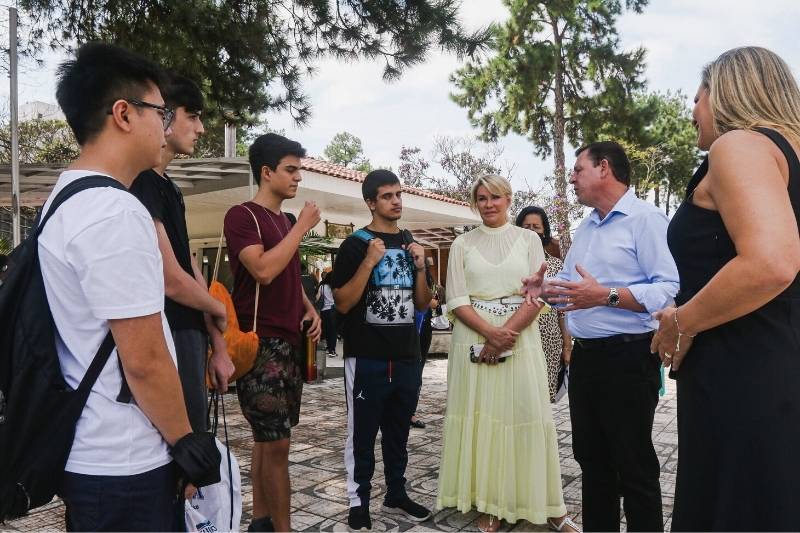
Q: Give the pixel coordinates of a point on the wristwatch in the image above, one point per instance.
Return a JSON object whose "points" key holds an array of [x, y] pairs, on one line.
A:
{"points": [[613, 298]]}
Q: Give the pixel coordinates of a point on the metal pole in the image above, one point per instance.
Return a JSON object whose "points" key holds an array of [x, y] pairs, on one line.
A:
{"points": [[439, 264], [12, 48], [230, 140], [230, 148]]}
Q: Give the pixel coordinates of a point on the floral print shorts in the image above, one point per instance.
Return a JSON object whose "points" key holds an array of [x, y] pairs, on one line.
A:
{"points": [[270, 392]]}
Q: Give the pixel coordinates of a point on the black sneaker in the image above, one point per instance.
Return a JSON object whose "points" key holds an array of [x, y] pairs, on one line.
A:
{"points": [[358, 519], [411, 510], [261, 524], [419, 424]]}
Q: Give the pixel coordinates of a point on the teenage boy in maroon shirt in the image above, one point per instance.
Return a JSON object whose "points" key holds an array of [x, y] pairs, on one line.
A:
{"points": [[262, 246]]}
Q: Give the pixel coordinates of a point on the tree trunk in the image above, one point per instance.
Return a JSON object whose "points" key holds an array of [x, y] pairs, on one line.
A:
{"points": [[562, 201], [669, 193], [657, 190]]}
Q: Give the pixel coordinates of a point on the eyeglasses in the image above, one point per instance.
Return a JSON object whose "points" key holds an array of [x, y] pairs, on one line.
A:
{"points": [[167, 114]]}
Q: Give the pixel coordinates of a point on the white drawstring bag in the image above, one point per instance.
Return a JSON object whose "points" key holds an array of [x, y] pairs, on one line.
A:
{"points": [[217, 507], [441, 322]]}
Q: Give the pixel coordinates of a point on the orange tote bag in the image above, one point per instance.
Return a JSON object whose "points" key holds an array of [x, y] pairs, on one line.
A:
{"points": [[242, 346]]}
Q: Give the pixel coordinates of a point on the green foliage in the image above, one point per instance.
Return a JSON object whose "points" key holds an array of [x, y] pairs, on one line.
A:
{"points": [[5, 245], [314, 245], [365, 166], [40, 142], [251, 55], [673, 131], [345, 149], [556, 68], [662, 147]]}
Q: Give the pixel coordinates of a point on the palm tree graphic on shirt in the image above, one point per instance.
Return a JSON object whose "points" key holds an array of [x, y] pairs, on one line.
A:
{"points": [[389, 298]]}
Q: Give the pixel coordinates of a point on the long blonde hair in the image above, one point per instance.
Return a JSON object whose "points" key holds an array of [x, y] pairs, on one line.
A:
{"points": [[750, 87]]}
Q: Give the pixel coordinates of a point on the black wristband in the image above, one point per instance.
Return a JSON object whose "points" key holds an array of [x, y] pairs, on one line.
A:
{"points": [[198, 458]]}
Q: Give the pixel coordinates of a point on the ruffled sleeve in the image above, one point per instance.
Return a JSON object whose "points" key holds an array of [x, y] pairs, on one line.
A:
{"points": [[456, 291]]}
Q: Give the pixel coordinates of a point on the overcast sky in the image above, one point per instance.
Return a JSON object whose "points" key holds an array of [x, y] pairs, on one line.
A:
{"points": [[680, 37]]}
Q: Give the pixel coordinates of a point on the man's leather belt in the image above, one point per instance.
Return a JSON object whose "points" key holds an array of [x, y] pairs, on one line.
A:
{"points": [[603, 342]]}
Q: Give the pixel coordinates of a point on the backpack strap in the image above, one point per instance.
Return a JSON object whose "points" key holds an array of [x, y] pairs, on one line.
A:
{"points": [[98, 363], [408, 238], [364, 234], [107, 346], [80, 184]]}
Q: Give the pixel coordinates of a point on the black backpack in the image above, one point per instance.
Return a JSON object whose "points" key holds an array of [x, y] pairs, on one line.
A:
{"points": [[38, 410]]}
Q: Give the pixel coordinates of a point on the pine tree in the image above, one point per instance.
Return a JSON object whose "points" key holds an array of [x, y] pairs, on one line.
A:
{"points": [[556, 66]]}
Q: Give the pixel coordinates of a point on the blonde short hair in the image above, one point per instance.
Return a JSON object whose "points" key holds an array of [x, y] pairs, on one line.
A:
{"points": [[750, 87], [495, 184]]}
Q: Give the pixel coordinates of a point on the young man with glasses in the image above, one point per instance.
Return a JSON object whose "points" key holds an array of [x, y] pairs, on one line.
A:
{"points": [[193, 315], [102, 271]]}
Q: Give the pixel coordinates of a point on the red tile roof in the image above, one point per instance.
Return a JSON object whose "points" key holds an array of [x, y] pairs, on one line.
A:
{"points": [[338, 171]]}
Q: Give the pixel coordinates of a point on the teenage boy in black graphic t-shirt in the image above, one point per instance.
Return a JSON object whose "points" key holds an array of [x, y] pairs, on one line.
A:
{"points": [[378, 280], [193, 315], [384, 315]]}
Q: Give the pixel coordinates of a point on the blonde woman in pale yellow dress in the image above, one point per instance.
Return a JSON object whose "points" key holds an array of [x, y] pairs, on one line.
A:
{"points": [[500, 452]]}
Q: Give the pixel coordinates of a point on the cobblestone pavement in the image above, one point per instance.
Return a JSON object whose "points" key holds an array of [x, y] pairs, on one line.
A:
{"points": [[317, 467]]}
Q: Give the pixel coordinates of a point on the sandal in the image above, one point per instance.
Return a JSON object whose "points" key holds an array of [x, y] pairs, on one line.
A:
{"points": [[492, 527], [566, 525]]}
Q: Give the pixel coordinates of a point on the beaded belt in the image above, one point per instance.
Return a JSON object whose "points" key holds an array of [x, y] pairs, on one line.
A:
{"points": [[499, 306]]}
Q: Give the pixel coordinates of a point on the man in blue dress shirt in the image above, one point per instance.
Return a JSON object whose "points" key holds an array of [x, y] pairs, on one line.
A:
{"points": [[617, 273]]}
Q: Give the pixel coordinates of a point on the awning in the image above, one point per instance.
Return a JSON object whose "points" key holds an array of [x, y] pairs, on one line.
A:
{"points": [[212, 185]]}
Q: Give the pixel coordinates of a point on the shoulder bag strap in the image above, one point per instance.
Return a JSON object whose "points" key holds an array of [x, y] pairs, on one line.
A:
{"points": [[219, 255], [258, 285]]}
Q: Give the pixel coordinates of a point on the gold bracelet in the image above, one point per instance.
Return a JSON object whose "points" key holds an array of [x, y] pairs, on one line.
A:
{"points": [[680, 333]]}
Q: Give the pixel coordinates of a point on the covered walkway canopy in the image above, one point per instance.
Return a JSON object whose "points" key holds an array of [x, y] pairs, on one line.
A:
{"points": [[212, 185]]}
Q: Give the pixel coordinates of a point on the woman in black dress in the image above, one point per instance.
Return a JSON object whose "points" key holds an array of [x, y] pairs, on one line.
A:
{"points": [[733, 340]]}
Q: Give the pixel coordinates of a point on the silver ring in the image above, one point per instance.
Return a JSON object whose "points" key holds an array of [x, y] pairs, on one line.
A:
{"points": [[667, 355]]}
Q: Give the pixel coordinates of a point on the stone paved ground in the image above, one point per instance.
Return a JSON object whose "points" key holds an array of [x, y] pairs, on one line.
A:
{"points": [[318, 476]]}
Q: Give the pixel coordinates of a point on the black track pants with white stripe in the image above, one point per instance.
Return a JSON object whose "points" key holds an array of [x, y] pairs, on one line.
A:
{"points": [[380, 395]]}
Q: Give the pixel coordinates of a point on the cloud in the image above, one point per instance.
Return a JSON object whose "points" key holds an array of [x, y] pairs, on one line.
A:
{"points": [[680, 36]]}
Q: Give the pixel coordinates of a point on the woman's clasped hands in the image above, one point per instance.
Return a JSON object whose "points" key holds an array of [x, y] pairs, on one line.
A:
{"points": [[498, 340]]}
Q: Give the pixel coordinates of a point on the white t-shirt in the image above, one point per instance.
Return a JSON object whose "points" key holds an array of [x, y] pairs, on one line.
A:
{"points": [[327, 297], [100, 260]]}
